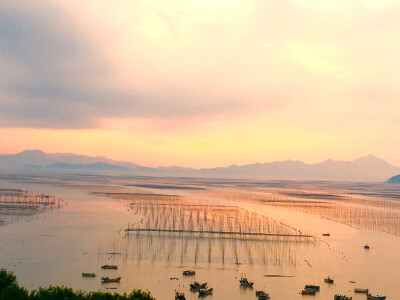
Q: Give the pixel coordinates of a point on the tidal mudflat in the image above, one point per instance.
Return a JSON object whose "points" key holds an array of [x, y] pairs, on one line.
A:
{"points": [[155, 228]]}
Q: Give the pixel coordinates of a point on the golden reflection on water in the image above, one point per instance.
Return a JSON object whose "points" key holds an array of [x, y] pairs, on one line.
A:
{"points": [[347, 205], [18, 204], [89, 231], [195, 232]]}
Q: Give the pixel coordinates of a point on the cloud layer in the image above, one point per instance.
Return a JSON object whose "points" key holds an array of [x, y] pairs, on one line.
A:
{"points": [[287, 78], [57, 77], [74, 66]]}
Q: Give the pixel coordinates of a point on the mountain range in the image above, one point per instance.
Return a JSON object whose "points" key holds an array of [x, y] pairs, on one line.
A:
{"points": [[367, 168]]}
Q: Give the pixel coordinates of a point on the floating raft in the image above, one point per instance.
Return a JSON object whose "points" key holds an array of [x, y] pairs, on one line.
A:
{"points": [[217, 232]]}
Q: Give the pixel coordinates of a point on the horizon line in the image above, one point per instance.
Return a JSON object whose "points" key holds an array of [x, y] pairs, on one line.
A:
{"points": [[177, 166]]}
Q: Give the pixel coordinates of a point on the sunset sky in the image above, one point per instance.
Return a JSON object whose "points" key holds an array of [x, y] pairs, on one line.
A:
{"points": [[201, 83]]}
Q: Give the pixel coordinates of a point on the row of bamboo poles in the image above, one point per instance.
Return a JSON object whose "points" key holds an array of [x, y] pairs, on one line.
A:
{"points": [[354, 208], [16, 204], [179, 229]]}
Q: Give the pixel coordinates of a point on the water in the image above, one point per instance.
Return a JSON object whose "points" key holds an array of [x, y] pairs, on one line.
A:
{"points": [[55, 247]]}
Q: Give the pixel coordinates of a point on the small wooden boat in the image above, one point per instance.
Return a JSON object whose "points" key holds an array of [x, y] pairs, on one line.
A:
{"points": [[188, 273], [361, 291], [366, 247], [109, 267], [370, 297], [88, 275], [312, 287], [245, 283], [328, 280], [197, 285], [308, 292], [179, 296], [326, 234], [107, 279], [203, 292], [342, 297], [262, 295]]}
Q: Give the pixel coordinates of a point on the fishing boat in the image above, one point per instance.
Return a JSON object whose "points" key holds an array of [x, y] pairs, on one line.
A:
{"points": [[261, 295], [88, 275], [203, 292], [109, 267], [245, 283], [326, 234], [312, 287], [328, 280], [342, 297], [197, 285], [366, 247], [361, 291], [188, 273], [370, 297], [308, 292], [107, 279], [179, 296]]}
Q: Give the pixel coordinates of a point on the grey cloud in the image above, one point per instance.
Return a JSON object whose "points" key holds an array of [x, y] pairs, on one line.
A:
{"points": [[57, 62]]}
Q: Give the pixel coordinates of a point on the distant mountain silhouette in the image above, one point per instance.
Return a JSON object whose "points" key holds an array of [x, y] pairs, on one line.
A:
{"points": [[364, 168], [36, 159], [367, 168], [394, 179], [94, 166]]}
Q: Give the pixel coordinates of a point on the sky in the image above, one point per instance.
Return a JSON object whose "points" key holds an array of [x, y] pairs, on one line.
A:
{"points": [[201, 83]]}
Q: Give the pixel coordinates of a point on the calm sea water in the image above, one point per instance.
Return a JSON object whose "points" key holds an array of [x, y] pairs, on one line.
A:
{"points": [[55, 247]]}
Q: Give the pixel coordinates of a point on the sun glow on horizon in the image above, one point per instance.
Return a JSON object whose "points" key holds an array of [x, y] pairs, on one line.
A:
{"points": [[201, 83]]}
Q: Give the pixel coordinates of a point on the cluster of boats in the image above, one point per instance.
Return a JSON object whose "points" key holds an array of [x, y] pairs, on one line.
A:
{"points": [[108, 279], [245, 283], [201, 288], [204, 290], [369, 296], [104, 279], [313, 289], [196, 286]]}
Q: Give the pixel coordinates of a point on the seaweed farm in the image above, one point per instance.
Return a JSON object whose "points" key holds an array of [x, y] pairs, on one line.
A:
{"points": [[179, 229], [17, 204], [280, 234], [360, 209]]}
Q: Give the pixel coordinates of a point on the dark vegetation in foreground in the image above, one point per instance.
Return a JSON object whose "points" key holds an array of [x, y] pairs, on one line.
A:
{"points": [[10, 290]]}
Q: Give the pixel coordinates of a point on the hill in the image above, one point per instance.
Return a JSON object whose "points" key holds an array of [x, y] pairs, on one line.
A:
{"points": [[394, 179], [38, 160], [367, 168], [94, 166]]}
